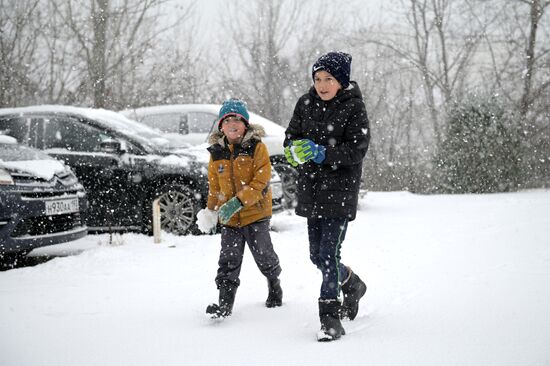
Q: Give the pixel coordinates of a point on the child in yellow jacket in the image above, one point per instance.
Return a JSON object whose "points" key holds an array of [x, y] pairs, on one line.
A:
{"points": [[239, 172]]}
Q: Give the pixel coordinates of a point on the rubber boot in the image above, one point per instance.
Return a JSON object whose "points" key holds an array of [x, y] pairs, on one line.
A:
{"points": [[275, 294], [331, 327], [225, 306], [353, 289]]}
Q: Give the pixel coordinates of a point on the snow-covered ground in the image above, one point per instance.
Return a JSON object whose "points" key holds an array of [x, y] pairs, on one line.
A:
{"points": [[452, 280]]}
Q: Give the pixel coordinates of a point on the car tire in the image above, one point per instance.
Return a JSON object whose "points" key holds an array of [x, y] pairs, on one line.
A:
{"points": [[178, 210], [289, 179]]}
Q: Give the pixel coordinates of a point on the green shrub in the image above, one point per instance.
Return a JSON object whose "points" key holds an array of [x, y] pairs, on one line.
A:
{"points": [[480, 151]]}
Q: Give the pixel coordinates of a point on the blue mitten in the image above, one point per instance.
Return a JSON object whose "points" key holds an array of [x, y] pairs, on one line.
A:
{"points": [[228, 209], [306, 150]]}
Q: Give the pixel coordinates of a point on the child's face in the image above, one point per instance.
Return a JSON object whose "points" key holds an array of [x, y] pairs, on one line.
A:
{"points": [[326, 85], [234, 129]]}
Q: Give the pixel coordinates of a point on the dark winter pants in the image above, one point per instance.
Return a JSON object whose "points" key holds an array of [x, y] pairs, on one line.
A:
{"points": [[325, 240], [256, 235]]}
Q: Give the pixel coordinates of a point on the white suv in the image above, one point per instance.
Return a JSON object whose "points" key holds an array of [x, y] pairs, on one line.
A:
{"points": [[193, 123]]}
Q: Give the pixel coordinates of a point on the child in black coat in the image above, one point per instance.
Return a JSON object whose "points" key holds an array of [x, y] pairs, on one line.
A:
{"points": [[326, 140]]}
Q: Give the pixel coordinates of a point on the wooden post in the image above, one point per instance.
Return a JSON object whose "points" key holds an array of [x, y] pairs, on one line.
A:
{"points": [[156, 221]]}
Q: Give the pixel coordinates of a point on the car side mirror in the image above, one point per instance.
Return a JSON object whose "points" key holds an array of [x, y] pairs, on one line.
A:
{"points": [[111, 146], [184, 124]]}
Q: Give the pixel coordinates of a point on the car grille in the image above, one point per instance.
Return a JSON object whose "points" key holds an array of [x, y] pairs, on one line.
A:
{"points": [[43, 225], [66, 178], [37, 188], [23, 178]]}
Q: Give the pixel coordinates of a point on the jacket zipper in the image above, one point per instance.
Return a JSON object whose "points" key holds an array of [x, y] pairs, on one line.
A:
{"points": [[233, 181]]}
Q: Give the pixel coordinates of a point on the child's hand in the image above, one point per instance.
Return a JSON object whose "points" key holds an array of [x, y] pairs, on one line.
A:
{"points": [[289, 157], [229, 209], [306, 150]]}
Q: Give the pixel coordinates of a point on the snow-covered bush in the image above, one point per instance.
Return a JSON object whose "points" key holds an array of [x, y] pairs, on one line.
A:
{"points": [[481, 150]]}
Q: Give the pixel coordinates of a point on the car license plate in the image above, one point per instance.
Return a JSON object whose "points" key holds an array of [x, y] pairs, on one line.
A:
{"points": [[60, 207]]}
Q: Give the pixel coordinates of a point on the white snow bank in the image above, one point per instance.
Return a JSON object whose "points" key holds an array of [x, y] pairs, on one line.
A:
{"points": [[452, 280]]}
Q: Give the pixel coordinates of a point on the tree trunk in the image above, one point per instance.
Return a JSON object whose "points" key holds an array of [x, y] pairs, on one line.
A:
{"points": [[535, 14], [99, 65]]}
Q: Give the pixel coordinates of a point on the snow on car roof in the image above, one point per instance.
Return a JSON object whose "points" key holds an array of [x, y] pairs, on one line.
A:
{"points": [[107, 118], [112, 118], [271, 128], [4, 139]]}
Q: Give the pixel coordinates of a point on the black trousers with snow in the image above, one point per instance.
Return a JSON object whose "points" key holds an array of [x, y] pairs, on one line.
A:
{"points": [[325, 241], [256, 235]]}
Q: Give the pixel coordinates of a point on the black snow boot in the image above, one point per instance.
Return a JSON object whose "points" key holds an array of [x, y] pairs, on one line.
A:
{"points": [[225, 306], [275, 295], [353, 289], [331, 327]]}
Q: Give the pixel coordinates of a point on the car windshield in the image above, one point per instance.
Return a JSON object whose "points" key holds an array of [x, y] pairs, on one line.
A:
{"points": [[14, 152]]}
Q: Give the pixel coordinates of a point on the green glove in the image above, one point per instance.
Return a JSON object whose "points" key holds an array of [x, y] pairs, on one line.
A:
{"points": [[229, 209], [306, 150], [289, 158], [302, 151]]}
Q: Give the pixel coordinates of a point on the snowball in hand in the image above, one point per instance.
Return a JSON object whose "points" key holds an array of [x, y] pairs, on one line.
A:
{"points": [[207, 220]]}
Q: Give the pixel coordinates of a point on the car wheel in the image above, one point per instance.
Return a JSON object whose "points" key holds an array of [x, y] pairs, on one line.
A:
{"points": [[289, 178], [178, 210]]}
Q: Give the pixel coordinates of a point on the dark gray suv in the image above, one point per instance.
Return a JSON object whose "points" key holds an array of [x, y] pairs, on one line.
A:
{"points": [[41, 201]]}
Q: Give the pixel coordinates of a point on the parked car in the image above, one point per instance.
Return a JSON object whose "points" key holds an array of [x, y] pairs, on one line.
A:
{"points": [[195, 122], [41, 201], [124, 166]]}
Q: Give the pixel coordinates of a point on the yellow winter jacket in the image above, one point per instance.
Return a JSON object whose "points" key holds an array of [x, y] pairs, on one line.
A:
{"points": [[241, 170]]}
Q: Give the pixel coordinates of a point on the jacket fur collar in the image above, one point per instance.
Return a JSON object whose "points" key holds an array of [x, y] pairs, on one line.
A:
{"points": [[254, 132]]}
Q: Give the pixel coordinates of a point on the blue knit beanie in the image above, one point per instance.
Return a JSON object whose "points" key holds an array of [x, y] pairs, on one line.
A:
{"points": [[338, 64], [233, 107]]}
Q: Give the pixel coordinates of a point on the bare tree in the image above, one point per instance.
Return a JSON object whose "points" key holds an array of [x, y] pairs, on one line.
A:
{"points": [[519, 56], [121, 31], [437, 45], [273, 45], [98, 64], [173, 70], [520, 67], [180, 76], [58, 67], [260, 37], [397, 155], [18, 46], [530, 91]]}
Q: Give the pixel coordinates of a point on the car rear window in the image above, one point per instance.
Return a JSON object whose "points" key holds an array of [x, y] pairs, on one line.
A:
{"points": [[166, 122]]}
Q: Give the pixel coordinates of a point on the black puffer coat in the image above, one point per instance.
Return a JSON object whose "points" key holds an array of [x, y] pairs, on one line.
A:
{"points": [[331, 189]]}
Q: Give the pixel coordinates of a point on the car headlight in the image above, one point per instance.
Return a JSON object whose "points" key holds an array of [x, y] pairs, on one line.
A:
{"points": [[5, 177]]}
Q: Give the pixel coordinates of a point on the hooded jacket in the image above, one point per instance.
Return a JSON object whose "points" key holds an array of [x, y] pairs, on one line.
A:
{"points": [[331, 189], [241, 170]]}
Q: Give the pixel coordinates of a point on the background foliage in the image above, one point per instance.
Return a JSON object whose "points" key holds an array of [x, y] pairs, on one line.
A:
{"points": [[416, 65]]}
